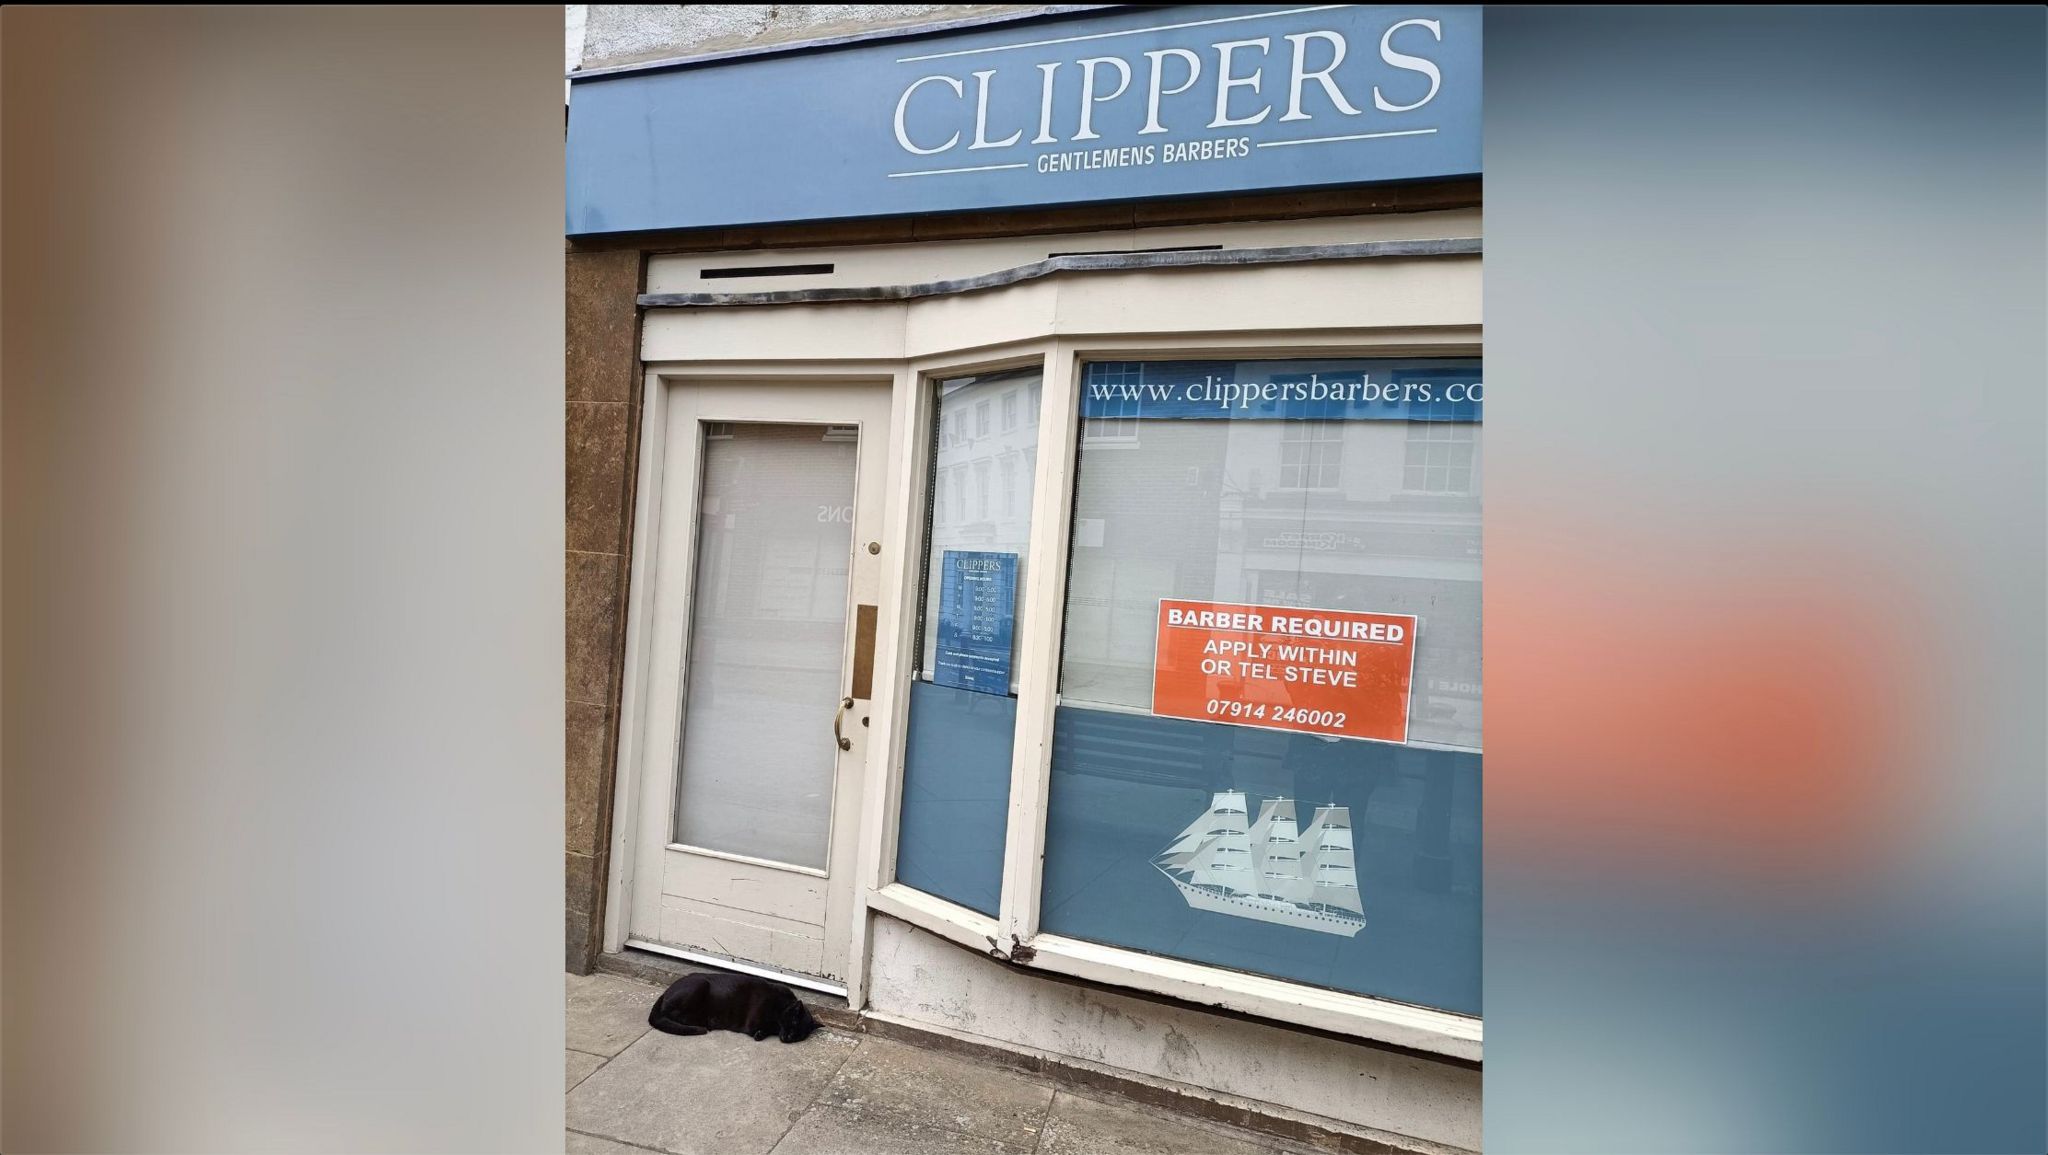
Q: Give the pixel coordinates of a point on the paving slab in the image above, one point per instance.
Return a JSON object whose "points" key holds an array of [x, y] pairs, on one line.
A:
{"points": [[932, 1089], [606, 1013], [716, 1094], [578, 1067], [829, 1130], [574, 1144], [1078, 1126]]}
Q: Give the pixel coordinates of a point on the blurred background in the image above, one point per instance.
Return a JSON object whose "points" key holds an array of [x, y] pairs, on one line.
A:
{"points": [[283, 590], [1764, 617], [281, 493]]}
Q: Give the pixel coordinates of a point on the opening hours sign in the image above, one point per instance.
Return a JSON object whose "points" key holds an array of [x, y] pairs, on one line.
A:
{"points": [[1334, 672]]}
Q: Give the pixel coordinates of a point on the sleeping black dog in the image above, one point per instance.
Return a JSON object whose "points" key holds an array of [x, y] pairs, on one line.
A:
{"points": [[754, 1007]]}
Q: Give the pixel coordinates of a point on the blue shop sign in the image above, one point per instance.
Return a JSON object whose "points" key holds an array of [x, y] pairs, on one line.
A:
{"points": [[1307, 390], [977, 620], [1136, 103]]}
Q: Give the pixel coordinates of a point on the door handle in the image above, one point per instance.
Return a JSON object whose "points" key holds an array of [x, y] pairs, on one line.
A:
{"points": [[845, 743]]}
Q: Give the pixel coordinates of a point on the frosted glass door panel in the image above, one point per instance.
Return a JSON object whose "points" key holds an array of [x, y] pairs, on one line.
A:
{"points": [[767, 634]]}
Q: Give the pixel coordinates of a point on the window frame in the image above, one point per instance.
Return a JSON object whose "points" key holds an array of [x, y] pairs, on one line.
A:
{"points": [[916, 413], [1450, 443], [1014, 934], [1117, 440], [1312, 468]]}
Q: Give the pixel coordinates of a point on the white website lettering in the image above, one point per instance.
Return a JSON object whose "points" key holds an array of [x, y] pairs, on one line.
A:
{"points": [[1246, 394]]}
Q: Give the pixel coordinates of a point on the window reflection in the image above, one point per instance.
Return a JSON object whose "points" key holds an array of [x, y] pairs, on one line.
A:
{"points": [[1371, 508], [956, 772]]}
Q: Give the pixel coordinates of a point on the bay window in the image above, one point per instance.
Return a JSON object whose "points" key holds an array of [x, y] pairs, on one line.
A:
{"points": [[1264, 679], [963, 705], [1227, 806]]}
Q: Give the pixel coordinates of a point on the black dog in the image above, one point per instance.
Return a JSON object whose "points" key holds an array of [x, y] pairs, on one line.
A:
{"points": [[754, 1007]]}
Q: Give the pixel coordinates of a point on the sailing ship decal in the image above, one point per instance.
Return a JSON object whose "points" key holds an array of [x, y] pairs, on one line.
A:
{"points": [[1269, 870]]}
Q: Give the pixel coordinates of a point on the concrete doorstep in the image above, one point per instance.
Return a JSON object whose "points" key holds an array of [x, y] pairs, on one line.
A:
{"points": [[633, 1090]]}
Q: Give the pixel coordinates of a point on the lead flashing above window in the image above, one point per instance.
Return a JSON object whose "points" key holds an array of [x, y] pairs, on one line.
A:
{"points": [[1091, 263]]}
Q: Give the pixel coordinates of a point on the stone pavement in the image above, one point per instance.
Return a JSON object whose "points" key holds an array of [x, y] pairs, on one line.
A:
{"points": [[636, 1091]]}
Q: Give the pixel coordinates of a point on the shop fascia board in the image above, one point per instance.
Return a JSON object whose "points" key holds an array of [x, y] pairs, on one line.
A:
{"points": [[1412, 293], [910, 262], [1073, 263], [1426, 289]]}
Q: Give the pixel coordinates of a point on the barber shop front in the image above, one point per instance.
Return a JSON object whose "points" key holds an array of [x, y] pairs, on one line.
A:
{"points": [[1039, 465]]}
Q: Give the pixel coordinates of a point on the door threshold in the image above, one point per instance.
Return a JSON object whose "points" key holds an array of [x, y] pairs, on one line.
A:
{"points": [[745, 968]]}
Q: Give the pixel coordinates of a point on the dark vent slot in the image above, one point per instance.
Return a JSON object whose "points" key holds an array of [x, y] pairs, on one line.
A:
{"points": [[1126, 252], [763, 271]]}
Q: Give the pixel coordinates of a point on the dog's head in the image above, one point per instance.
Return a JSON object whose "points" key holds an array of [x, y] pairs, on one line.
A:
{"points": [[795, 1022]]}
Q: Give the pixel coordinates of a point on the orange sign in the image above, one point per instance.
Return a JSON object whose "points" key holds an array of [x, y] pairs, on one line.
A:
{"points": [[1281, 668]]}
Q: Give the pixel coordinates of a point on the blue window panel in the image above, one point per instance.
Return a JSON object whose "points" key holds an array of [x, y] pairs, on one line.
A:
{"points": [[1125, 787], [956, 794]]}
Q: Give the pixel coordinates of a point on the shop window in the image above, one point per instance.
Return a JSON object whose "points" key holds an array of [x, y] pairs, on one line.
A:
{"points": [[1009, 410], [1266, 749], [963, 705]]}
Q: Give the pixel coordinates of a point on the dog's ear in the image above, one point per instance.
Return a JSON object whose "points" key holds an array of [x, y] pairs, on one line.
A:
{"points": [[796, 1022]]}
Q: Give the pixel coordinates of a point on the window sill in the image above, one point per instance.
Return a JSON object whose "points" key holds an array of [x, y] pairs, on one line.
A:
{"points": [[951, 921], [1396, 1024]]}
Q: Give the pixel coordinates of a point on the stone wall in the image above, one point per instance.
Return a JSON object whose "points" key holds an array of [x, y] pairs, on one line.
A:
{"points": [[631, 33], [601, 388]]}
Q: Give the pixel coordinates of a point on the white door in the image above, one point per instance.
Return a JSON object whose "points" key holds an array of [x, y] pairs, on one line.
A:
{"points": [[764, 591]]}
